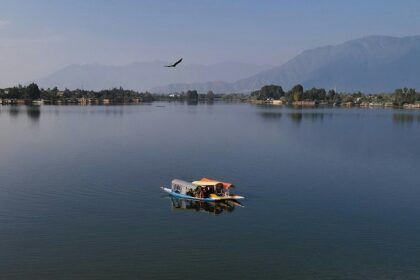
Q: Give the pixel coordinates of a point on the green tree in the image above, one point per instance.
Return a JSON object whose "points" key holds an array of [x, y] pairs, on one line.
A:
{"points": [[210, 95], [14, 93], [192, 95], [403, 96], [146, 97], [33, 91], [67, 93], [331, 95], [268, 92], [315, 94], [297, 92]]}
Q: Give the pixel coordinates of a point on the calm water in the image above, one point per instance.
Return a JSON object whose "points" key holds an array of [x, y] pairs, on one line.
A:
{"points": [[331, 193]]}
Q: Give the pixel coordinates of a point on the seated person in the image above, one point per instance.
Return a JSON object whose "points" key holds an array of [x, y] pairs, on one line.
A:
{"points": [[219, 190]]}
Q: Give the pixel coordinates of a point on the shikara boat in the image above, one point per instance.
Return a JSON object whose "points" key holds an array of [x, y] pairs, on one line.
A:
{"points": [[204, 190]]}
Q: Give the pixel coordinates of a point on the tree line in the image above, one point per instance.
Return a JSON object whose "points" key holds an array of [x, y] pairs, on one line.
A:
{"points": [[115, 95], [194, 96], [33, 92], [269, 92], [297, 93]]}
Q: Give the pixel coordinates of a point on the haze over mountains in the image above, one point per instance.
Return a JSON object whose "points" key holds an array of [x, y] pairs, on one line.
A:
{"points": [[369, 64], [144, 76]]}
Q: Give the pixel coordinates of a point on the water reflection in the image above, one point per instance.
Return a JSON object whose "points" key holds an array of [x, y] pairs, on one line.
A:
{"points": [[271, 115], [14, 110], [297, 117], [33, 112], [405, 118], [192, 102], [115, 111], [215, 208]]}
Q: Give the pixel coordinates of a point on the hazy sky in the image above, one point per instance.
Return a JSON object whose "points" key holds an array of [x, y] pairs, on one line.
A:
{"points": [[38, 37]]}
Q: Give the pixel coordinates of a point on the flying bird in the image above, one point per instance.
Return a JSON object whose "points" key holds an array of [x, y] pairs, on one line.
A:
{"points": [[175, 64]]}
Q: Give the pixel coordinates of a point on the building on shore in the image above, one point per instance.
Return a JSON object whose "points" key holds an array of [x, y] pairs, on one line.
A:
{"points": [[83, 101], [37, 102], [135, 100], [277, 102], [304, 103], [412, 106]]}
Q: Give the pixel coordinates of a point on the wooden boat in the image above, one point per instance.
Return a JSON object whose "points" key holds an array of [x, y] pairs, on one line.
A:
{"points": [[203, 190]]}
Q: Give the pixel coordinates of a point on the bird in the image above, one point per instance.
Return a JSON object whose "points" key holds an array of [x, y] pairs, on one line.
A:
{"points": [[175, 64]]}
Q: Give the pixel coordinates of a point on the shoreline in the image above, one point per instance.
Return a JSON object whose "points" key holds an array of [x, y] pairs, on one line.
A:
{"points": [[295, 105], [314, 104], [297, 96]]}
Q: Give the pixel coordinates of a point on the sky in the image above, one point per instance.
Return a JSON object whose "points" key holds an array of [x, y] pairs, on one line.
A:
{"points": [[38, 37]]}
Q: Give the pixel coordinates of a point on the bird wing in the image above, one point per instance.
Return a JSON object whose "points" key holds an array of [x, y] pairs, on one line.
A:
{"points": [[176, 63]]}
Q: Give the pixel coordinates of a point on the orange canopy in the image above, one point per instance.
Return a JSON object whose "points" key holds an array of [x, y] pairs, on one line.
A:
{"points": [[225, 184]]}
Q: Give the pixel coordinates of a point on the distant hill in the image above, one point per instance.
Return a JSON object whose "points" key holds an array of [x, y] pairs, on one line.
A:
{"points": [[146, 75], [369, 64]]}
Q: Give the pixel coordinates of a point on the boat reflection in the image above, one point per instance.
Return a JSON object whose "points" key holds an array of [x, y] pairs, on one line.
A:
{"points": [[215, 208]]}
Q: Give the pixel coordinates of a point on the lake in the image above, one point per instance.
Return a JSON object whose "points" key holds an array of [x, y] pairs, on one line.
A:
{"points": [[331, 193]]}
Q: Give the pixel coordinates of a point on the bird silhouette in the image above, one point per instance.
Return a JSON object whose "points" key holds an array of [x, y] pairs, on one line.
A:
{"points": [[175, 64]]}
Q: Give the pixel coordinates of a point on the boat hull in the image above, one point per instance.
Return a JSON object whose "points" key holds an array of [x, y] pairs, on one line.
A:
{"points": [[209, 199]]}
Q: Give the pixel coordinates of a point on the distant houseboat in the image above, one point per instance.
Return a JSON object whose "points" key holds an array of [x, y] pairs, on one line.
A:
{"points": [[205, 190]]}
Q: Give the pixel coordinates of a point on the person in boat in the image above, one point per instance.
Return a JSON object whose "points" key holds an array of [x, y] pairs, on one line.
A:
{"points": [[206, 193], [201, 192], [196, 192], [209, 190], [219, 190]]}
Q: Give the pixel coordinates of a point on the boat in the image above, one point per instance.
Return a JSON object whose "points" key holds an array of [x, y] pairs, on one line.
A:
{"points": [[203, 190]]}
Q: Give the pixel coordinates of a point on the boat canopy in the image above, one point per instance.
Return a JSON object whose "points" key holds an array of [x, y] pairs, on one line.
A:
{"points": [[182, 184], [225, 184], [207, 183]]}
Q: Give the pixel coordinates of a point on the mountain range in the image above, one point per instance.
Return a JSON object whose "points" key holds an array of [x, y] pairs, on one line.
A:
{"points": [[144, 76], [368, 64]]}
